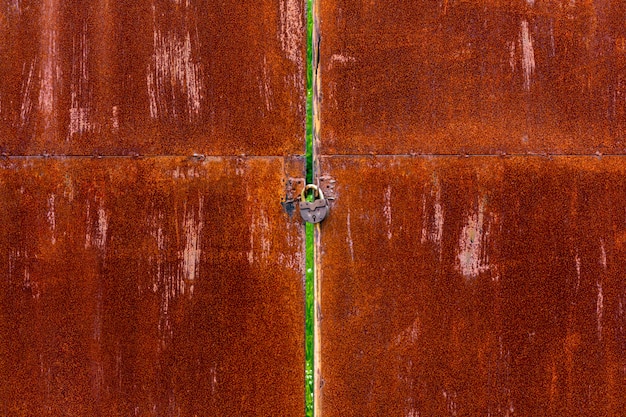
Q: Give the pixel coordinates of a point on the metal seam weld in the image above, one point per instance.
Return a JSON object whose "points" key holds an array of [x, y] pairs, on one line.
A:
{"points": [[317, 156], [473, 155], [144, 157]]}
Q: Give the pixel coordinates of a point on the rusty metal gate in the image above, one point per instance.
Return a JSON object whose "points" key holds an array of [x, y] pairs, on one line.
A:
{"points": [[473, 264], [473, 260], [148, 268]]}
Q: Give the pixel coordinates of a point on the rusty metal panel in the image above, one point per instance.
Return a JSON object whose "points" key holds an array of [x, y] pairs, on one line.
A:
{"points": [[472, 76], [152, 77], [160, 287], [473, 287]]}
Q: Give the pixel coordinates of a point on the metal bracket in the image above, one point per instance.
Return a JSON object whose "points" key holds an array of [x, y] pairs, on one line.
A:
{"points": [[327, 185], [293, 187]]}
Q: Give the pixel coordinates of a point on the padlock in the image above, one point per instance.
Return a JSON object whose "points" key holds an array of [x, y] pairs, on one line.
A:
{"points": [[313, 211]]}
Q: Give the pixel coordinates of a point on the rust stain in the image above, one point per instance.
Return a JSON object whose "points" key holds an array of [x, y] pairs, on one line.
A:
{"points": [[149, 287], [473, 286], [475, 77], [152, 77]]}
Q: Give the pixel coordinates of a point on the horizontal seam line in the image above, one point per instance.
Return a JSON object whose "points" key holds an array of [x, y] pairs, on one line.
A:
{"points": [[507, 155], [194, 156]]}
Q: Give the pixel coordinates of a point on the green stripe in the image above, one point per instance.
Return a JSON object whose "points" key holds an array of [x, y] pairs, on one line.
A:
{"points": [[310, 230], [310, 308]]}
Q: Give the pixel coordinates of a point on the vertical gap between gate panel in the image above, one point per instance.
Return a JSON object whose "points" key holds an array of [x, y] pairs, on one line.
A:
{"points": [[310, 231]]}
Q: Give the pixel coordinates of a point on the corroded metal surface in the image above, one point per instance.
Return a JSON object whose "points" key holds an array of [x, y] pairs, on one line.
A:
{"points": [[166, 287], [152, 77], [474, 287], [473, 76]]}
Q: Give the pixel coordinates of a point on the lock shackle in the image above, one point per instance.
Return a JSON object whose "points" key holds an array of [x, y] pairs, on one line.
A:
{"points": [[317, 192]]}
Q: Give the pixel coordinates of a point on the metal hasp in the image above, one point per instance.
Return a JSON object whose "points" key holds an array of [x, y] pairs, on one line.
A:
{"points": [[313, 211]]}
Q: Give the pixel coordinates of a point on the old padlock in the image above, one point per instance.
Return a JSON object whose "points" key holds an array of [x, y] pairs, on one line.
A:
{"points": [[313, 211]]}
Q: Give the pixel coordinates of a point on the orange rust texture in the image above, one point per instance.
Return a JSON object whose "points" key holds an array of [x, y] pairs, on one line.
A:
{"points": [[152, 77], [473, 287], [162, 287], [482, 76]]}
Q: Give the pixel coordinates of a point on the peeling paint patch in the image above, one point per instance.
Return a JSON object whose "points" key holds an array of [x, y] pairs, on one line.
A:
{"points": [[432, 227], [451, 404], [50, 75], [18, 268], [411, 334], [293, 262], [387, 211], [80, 89], [174, 73], [115, 118], [50, 72], [512, 60], [173, 280], [16, 6], [291, 28], [528, 54], [51, 216], [577, 263], [473, 258], [349, 237], [79, 120], [213, 378], [599, 307], [265, 86], [27, 91], [340, 59], [260, 243], [190, 256], [97, 237], [68, 192], [103, 225], [164, 279]]}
